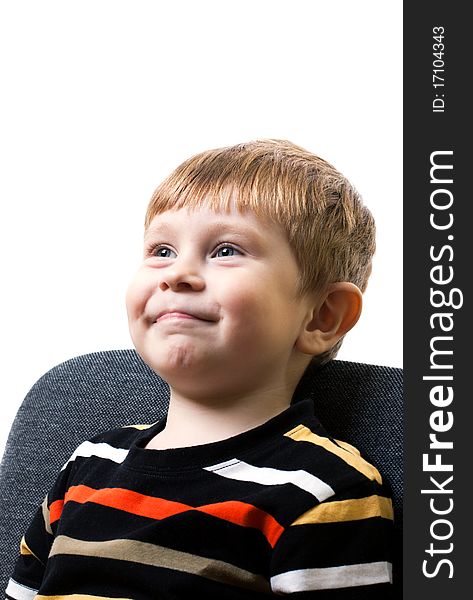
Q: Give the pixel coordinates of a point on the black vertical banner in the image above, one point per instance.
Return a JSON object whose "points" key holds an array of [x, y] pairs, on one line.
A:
{"points": [[438, 243]]}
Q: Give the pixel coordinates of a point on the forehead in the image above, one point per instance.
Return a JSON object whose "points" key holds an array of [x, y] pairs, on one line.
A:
{"points": [[213, 221]]}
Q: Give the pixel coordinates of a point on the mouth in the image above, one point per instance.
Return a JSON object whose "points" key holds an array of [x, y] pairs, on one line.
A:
{"points": [[182, 315]]}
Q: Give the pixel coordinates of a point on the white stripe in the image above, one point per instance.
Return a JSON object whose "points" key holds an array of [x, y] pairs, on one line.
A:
{"points": [[20, 592], [102, 450], [242, 471], [346, 576]]}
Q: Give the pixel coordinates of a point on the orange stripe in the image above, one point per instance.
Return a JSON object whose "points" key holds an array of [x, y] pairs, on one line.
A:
{"points": [[55, 511], [239, 513], [246, 515], [126, 500]]}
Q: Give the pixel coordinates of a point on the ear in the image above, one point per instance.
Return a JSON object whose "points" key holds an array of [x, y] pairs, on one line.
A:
{"points": [[333, 315]]}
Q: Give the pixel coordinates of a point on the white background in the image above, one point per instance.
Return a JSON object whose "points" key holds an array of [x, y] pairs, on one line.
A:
{"points": [[101, 99]]}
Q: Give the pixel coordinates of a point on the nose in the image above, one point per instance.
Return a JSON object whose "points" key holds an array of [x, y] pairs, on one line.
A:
{"points": [[182, 276]]}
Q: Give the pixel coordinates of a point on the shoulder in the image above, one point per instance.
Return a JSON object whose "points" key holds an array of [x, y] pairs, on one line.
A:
{"points": [[317, 450], [295, 447], [297, 441], [323, 467], [341, 490]]}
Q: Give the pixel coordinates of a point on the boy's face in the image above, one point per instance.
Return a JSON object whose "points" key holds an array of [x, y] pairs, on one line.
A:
{"points": [[213, 307]]}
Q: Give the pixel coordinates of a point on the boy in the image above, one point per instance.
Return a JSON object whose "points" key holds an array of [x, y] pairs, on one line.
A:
{"points": [[255, 260]]}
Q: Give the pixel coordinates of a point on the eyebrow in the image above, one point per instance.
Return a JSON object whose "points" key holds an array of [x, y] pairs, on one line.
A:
{"points": [[161, 228], [215, 228]]}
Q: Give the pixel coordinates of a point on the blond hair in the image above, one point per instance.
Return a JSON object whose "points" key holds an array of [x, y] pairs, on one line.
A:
{"points": [[330, 231]]}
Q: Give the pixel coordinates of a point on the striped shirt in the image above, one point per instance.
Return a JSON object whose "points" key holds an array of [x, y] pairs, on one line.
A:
{"points": [[280, 509]]}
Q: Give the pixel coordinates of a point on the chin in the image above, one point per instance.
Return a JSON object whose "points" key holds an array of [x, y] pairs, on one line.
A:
{"points": [[181, 357], [174, 362]]}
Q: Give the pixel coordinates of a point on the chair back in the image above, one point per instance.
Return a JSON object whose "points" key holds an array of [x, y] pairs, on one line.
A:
{"points": [[356, 402]]}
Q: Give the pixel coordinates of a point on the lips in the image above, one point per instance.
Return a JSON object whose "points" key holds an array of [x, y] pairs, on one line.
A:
{"points": [[179, 313]]}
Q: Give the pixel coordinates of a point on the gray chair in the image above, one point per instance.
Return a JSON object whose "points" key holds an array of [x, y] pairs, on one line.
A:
{"points": [[356, 402]]}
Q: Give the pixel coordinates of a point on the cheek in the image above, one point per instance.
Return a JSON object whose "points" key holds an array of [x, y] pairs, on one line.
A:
{"points": [[250, 309], [239, 298], [264, 316], [136, 296]]}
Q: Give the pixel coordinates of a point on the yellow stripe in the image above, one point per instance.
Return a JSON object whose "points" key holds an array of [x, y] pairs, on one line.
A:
{"points": [[25, 550], [140, 427], [348, 510], [77, 597], [348, 447], [304, 434]]}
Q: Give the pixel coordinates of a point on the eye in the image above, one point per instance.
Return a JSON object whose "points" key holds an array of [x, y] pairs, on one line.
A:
{"points": [[162, 252], [226, 250]]}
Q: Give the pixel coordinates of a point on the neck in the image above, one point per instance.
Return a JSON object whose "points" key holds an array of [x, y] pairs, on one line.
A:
{"points": [[192, 422]]}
